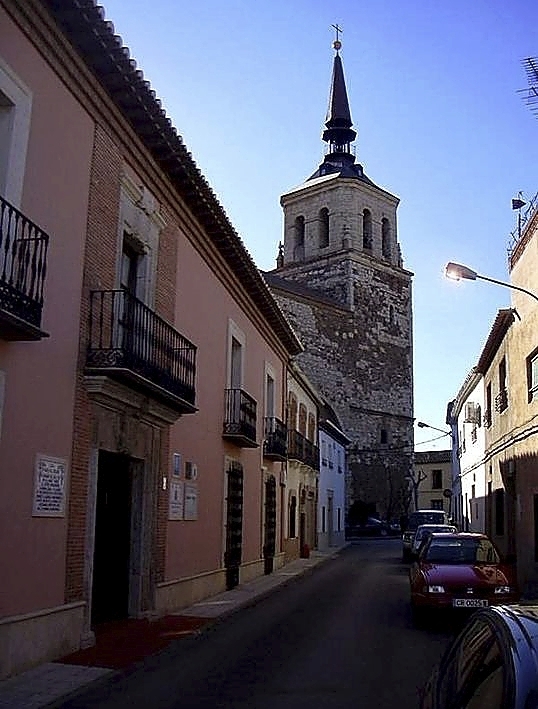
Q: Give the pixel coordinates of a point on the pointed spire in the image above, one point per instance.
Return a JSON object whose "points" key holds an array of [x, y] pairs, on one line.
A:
{"points": [[339, 133]]}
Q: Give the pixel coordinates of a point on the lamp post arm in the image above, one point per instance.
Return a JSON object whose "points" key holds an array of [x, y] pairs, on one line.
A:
{"points": [[508, 285]]}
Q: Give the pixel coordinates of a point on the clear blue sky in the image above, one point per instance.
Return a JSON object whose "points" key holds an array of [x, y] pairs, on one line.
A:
{"points": [[433, 89]]}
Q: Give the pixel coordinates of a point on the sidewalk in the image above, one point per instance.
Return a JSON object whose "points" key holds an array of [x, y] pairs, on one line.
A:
{"points": [[119, 645]]}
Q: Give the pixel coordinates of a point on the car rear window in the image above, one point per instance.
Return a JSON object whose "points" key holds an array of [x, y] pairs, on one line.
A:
{"points": [[429, 517], [461, 551]]}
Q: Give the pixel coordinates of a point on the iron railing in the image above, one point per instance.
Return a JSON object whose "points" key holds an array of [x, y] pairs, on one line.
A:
{"points": [[501, 400], [127, 335], [303, 450], [276, 438], [240, 417], [23, 265]]}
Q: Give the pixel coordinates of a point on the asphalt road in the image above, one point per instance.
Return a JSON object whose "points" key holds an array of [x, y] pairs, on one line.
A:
{"points": [[339, 637]]}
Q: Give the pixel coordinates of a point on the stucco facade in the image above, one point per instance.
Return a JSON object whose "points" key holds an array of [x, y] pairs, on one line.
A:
{"points": [[302, 471], [332, 480], [469, 474], [142, 439], [433, 474]]}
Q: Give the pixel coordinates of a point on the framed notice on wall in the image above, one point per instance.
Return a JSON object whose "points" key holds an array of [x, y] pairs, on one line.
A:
{"points": [[50, 479], [191, 501], [176, 500], [176, 465]]}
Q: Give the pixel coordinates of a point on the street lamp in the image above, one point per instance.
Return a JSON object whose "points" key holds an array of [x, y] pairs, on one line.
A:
{"points": [[458, 272], [421, 424]]}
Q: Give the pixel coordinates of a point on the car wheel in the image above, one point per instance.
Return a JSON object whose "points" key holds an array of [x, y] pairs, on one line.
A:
{"points": [[383, 532]]}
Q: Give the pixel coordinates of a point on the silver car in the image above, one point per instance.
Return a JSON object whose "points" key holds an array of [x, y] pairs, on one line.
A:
{"points": [[422, 533]]}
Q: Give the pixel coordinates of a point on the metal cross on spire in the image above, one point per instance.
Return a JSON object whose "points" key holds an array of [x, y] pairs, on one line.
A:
{"points": [[337, 44]]}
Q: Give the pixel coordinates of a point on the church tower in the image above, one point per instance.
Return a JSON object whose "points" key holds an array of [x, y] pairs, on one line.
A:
{"points": [[340, 281]]}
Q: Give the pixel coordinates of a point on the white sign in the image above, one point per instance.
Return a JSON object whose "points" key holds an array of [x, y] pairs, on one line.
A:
{"points": [[176, 500], [49, 487], [176, 465], [191, 501]]}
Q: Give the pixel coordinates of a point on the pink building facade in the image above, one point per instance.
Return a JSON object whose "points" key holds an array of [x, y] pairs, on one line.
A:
{"points": [[143, 359]]}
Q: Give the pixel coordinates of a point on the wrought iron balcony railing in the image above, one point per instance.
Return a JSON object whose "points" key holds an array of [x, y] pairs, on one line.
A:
{"points": [[23, 266], [501, 400], [240, 418], [275, 443], [128, 341], [303, 450]]}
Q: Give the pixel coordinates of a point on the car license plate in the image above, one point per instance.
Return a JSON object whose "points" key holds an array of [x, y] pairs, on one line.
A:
{"points": [[469, 603]]}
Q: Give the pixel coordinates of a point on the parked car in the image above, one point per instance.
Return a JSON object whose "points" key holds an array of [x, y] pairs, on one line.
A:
{"points": [[413, 521], [492, 663], [371, 527], [422, 534], [459, 571]]}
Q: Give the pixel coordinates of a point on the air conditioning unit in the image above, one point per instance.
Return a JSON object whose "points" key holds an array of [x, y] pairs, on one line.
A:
{"points": [[472, 413]]}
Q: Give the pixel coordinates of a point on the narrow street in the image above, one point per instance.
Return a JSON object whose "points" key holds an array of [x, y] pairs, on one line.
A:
{"points": [[338, 637]]}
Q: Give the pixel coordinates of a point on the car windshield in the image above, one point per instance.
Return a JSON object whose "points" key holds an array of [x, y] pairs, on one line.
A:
{"points": [[461, 551]]}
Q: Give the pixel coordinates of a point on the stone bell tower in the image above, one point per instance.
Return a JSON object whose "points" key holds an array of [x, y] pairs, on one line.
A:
{"points": [[340, 281]]}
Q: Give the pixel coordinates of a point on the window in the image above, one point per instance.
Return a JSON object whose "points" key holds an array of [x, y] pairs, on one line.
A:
{"points": [[367, 229], [532, 376], [499, 512], [311, 428], [130, 262], [339, 518], [383, 438], [323, 519], [292, 517], [436, 504], [15, 116], [385, 237], [236, 352], [324, 452], [292, 412], [298, 252], [236, 364], [501, 400], [323, 228], [302, 420], [487, 413], [437, 479], [473, 674], [269, 396]]}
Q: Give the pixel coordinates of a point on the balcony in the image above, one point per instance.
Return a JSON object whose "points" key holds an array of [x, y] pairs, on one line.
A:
{"points": [[275, 443], [23, 265], [501, 401], [240, 418], [130, 343], [303, 450]]}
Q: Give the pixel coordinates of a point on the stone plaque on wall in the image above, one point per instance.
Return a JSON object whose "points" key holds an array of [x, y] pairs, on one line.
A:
{"points": [[50, 479]]}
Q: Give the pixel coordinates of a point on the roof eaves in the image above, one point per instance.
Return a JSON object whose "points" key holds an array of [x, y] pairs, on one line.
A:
{"points": [[83, 22], [503, 321]]}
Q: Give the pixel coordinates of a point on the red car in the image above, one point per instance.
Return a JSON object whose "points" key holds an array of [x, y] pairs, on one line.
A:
{"points": [[461, 571]]}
